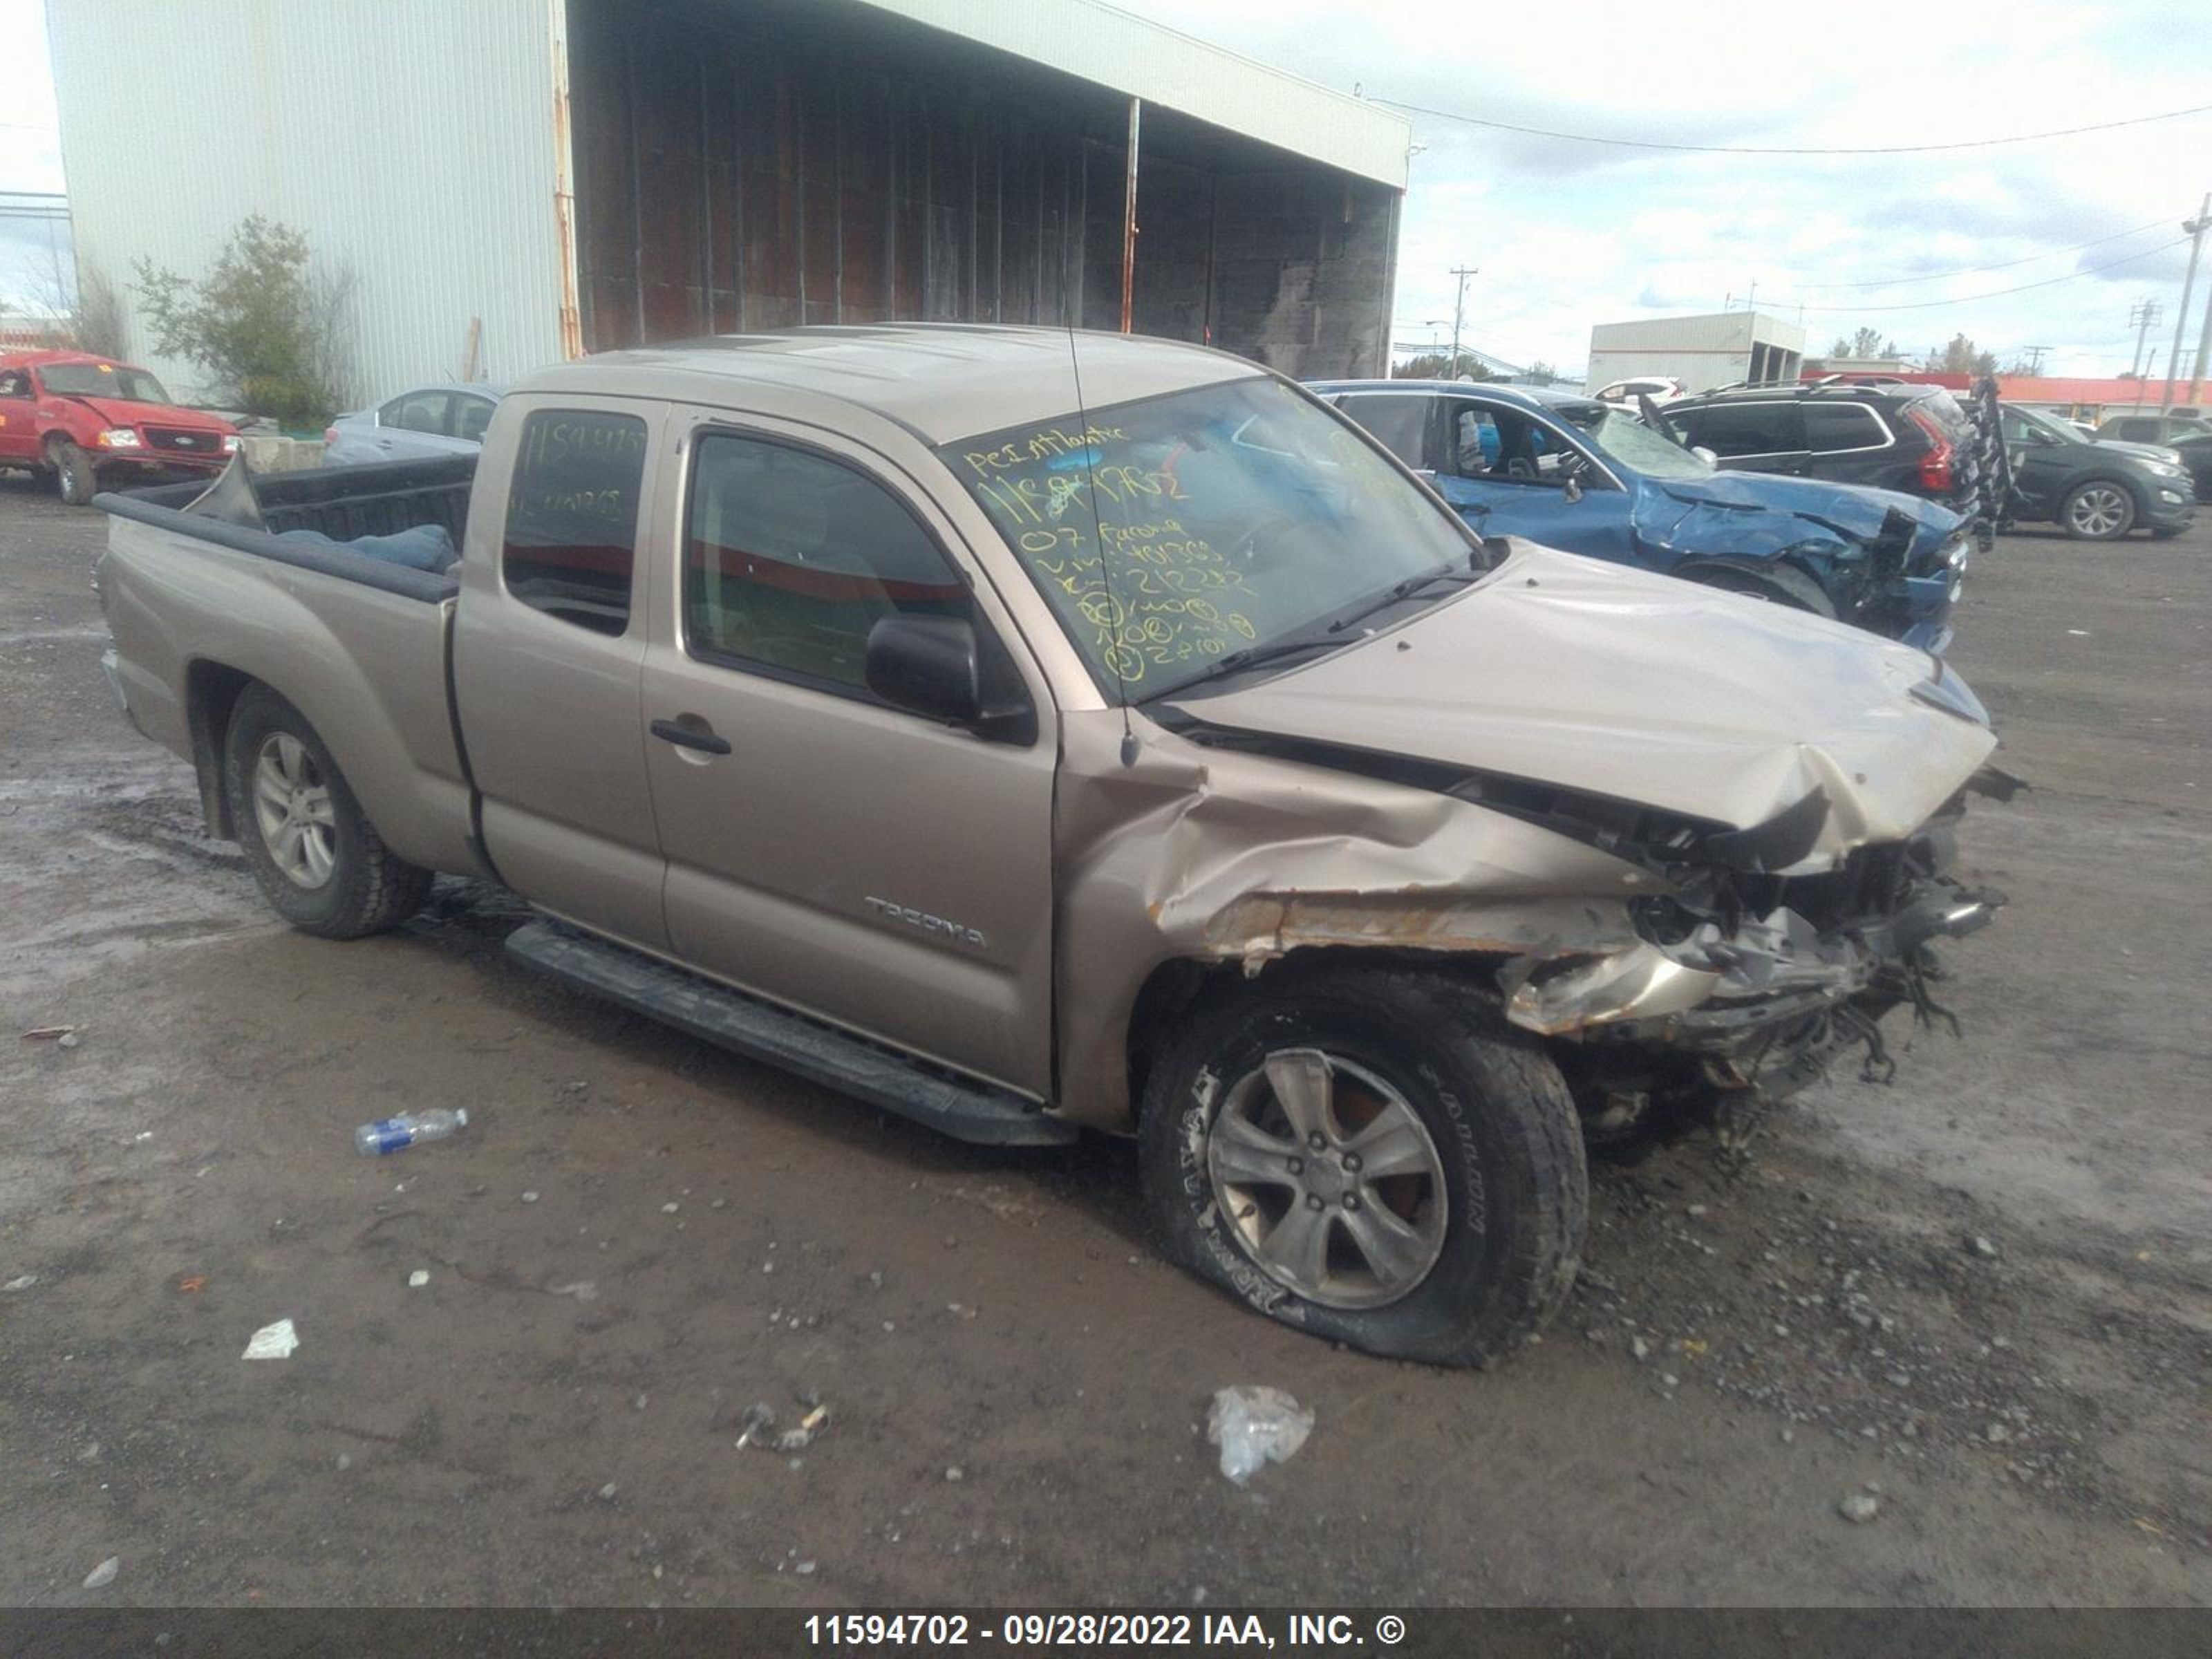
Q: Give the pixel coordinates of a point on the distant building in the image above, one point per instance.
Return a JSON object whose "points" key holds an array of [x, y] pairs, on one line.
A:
{"points": [[1724, 347], [513, 182]]}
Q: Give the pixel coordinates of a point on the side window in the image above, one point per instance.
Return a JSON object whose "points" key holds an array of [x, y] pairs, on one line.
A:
{"points": [[1832, 427], [1475, 444], [1396, 420], [789, 559], [14, 383], [417, 411], [571, 539], [470, 417], [1729, 429]]}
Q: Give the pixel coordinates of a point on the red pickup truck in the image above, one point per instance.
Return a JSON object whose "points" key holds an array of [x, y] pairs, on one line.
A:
{"points": [[80, 417]]}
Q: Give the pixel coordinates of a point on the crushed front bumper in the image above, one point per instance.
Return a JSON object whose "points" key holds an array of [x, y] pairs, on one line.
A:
{"points": [[1767, 1004]]}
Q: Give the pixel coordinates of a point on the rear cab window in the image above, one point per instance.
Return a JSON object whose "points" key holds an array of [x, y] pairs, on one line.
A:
{"points": [[1398, 420], [570, 543]]}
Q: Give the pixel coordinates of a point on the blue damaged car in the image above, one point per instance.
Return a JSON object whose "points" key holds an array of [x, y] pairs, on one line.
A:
{"points": [[1568, 472]]}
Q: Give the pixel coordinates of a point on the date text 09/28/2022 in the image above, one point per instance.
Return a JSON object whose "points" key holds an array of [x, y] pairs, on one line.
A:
{"points": [[1016, 1631]]}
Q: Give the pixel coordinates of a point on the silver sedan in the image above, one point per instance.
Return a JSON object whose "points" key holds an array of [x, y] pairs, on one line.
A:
{"points": [[431, 420]]}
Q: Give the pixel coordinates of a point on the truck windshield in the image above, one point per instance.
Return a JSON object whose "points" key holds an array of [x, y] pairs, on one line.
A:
{"points": [[103, 380], [1172, 532]]}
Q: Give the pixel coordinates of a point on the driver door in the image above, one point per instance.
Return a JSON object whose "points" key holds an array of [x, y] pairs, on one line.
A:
{"points": [[1507, 473]]}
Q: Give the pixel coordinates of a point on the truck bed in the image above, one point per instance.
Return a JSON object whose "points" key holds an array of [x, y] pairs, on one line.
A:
{"points": [[342, 502], [199, 607]]}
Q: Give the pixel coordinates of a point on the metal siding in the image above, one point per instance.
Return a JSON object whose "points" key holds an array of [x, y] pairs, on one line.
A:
{"points": [[1131, 56], [1701, 352], [412, 140]]}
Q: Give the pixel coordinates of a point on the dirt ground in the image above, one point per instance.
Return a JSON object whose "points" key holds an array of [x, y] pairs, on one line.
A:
{"points": [[1983, 1295]]}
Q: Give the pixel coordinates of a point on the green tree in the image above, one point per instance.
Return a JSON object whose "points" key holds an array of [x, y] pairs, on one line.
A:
{"points": [[1437, 366], [269, 332], [1863, 343], [1962, 357]]}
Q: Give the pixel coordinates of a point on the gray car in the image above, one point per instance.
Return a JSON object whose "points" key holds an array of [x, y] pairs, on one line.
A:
{"points": [[429, 420]]}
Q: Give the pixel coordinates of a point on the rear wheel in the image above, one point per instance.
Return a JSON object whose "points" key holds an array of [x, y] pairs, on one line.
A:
{"points": [[2097, 512], [1776, 585], [74, 474], [1371, 1155], [320, 861]]}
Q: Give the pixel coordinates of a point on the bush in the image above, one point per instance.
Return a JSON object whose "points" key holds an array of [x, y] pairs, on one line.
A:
{"points": [[267, 329]]}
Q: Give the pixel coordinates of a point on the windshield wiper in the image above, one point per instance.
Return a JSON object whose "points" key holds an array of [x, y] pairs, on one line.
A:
{"points": [[1404, 590], [1254, 656]]}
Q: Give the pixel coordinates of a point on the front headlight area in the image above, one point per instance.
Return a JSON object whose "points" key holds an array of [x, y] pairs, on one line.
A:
{"points": [[120, 437]]}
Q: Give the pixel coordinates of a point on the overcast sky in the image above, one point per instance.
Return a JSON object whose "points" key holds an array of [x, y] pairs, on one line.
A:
{"points": [[1569, 234]]}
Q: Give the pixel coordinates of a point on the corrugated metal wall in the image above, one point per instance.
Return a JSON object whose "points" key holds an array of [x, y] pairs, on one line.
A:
{"points": [[758, 165], [410, 140]]}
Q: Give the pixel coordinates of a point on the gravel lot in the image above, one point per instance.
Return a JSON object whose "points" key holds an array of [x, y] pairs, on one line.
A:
{"points": [[1981, 1296]]}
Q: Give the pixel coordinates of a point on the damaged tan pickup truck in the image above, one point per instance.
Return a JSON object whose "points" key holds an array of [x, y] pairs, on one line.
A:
{"points": [[1024, 731]]}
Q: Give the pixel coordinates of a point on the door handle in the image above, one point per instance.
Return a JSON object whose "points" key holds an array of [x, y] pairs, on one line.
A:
{"points": [[686, 736]]}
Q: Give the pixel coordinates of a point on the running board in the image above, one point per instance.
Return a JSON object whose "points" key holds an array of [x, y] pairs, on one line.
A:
{"points": [[747, 1025]]}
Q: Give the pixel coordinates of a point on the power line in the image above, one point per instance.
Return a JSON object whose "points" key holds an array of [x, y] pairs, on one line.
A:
{"points": [[1997, 294], [2006, 265], [1790, 150]]}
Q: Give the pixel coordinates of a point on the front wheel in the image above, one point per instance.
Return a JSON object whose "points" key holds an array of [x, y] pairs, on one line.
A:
{"points": [[1371, 1155], [74, 474], [320, 861], [2097, 512]]}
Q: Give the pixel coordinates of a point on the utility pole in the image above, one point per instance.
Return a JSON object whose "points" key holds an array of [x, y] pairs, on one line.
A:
{"points": [[1459, 313], [2203, 345], [2140, 317], [2035, 358], [2196, 227]]}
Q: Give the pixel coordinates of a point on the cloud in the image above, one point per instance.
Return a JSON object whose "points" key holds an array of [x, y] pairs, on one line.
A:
{"points": [[1570, 234]]}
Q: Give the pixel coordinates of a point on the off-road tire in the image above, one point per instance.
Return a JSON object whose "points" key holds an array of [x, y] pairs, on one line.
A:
{"points": [[75, 476], [2113, 516], [369, 888], [1777, 585], [1494, 1106]]}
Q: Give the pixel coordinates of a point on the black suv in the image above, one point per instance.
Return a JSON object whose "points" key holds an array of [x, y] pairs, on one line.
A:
{"points": [[1890, 435]]}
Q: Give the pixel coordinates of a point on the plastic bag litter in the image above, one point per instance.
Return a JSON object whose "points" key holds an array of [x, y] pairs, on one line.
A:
{"points": [[272, 1342], [1255, 1426]]}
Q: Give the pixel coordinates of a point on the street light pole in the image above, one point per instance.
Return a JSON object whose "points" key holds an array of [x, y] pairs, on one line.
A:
{"points": [[2196, 228]]}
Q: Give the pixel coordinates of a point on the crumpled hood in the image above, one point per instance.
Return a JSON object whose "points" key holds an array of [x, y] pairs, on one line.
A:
{"points": [[1855, 510], [123, 412], [1591, 676]]}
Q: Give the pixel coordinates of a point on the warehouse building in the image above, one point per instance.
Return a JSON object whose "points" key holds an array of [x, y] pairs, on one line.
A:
{"points": [[1725, 348], [510, 182]]}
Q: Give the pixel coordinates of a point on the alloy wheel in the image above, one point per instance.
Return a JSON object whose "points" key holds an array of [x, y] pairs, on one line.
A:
{"points": [[1329, 1179], [291, 809]]}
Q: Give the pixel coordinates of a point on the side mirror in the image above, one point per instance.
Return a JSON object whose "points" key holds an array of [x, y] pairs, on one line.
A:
{"points": [[1705, 454], [933, 666], [1573, 491]]}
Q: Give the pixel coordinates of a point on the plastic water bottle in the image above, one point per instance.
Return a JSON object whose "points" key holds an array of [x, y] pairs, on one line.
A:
{"points": [[392, 1135]]}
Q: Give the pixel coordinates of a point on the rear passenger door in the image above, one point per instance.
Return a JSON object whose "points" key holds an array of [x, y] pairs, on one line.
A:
{"points": [[548, 641], [1750, 437], [866, 864]]}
